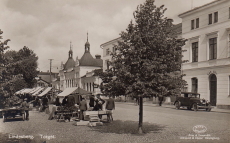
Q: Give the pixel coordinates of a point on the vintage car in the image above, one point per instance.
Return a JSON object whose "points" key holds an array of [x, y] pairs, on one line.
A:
{"points": [[13, 112], [192, 101]]}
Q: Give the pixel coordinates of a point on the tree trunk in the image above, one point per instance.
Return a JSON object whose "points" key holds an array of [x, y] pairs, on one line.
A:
{"points": [[140, 131]]}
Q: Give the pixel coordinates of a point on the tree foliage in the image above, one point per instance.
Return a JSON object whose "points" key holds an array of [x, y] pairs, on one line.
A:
{"points": [[148, 59], [18, 68]]}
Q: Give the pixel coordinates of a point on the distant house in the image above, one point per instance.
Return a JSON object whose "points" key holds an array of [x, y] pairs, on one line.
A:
{"points": [[46, 79]]}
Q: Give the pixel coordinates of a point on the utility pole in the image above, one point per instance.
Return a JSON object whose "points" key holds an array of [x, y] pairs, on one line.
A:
{"points": [[50, 78], [50, 69]]}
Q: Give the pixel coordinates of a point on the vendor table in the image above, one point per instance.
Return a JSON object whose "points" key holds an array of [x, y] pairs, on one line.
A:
{"points": [[62, 115], [100, 113]]}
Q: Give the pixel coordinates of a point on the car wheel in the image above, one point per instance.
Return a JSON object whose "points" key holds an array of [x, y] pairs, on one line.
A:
{"points": [[195, 108], [4, 118], [209, 108], [177, 105], [23, 117]]}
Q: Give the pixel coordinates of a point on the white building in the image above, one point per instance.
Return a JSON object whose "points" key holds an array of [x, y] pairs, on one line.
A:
{"points": [[72, 71], [108, 47], [207, 29]]}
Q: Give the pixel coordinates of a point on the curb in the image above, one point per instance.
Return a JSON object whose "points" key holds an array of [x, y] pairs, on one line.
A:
{"points": [[215, 109]]}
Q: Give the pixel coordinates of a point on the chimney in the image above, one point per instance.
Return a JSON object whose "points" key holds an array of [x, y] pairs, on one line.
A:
{"points": [[98, 56], [169, 21]]}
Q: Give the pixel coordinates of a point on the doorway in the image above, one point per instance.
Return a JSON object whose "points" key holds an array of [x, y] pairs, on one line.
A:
{"points": [[213, 89]]}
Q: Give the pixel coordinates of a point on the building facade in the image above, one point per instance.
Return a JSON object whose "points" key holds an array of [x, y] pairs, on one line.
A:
{"points": [[72, 71], [108, 48], [207, 71]]}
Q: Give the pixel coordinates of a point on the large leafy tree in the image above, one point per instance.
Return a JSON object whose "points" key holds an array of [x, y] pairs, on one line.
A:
{"points": [[17, 69], [4, 77], [24, 66], [148, 59]]}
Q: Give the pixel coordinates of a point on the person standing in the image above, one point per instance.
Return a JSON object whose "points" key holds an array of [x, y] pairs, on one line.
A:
{"points": [[91, 101], [82, 107], [25, 107], [160, 98], [64, 101], [110, 105]]}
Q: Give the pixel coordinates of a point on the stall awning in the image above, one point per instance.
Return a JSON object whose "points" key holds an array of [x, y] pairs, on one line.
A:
{"points": [[76, 90], [37, 92], [18, 92], [67, 91], [45, 91], [27, 90], [35, 89]]}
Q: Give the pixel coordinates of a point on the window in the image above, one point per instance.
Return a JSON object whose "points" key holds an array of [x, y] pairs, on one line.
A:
{"points": [[87, 86], [192, 24], [107, 51], [194, 85], [215, 17], [195, 52], [210, 19], [197, 23], [90, 86], [212, 48]]}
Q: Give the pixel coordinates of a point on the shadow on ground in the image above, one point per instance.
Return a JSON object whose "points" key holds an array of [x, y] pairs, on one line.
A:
{"points": [[128, 127]]}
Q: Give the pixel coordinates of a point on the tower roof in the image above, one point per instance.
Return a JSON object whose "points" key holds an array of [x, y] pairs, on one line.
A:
{"points": [[70, 63], [88, 60]]}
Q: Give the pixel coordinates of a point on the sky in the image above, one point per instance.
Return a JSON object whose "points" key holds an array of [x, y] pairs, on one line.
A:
{"points": [[48, 26]]}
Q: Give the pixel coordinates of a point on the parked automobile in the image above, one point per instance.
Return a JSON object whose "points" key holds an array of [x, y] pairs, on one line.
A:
{"points": [[192, 101]]}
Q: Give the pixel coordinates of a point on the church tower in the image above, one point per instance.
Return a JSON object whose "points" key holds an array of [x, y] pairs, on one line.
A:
{"points": [[70, 51], [87, 45]]}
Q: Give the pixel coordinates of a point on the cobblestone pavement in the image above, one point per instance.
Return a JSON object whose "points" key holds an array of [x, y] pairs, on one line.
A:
{"points": [[161, 125]]}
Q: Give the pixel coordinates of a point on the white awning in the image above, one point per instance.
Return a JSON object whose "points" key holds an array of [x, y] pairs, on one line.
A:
{"points": [[35, 89], [37, 92], [18, 92], [67, 91], [45, 91], [27, 90]]}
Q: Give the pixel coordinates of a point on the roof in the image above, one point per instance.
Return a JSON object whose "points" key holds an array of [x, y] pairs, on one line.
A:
{"points": [[70, 63], [200, 7], [177, 28], [88, 60], [111, 41]]}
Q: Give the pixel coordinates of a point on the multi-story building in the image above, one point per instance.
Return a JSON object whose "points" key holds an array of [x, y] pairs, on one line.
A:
{"points": [[72, 71], [108, 47], [207, 29]]}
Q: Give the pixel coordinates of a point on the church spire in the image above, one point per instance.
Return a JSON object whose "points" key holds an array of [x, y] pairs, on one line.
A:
{"points": [[87, 36], [70, 51], [87, 45]]}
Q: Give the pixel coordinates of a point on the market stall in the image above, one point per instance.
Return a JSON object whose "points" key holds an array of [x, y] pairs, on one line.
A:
{"points": [[38, 91], [45, 91]]}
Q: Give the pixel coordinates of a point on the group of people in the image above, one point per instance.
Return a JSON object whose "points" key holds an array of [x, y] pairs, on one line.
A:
{"points": [[42, 103], [95, 103]]}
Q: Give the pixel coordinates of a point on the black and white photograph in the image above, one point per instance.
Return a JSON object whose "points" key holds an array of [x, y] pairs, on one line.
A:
{"points": [[115, 71]]}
